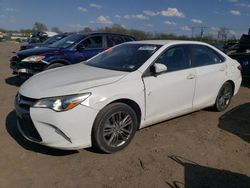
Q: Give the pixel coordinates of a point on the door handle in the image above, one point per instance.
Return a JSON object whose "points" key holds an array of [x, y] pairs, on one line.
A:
{"points": [[191, 76]]}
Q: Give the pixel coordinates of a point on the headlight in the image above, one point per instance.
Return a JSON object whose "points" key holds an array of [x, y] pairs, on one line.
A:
{"points": [[33, 59], [63, 103]]}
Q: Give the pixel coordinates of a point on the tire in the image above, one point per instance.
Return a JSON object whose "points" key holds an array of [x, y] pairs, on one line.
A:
{"points": [[54, 65], [114, 127], [224, 97]]}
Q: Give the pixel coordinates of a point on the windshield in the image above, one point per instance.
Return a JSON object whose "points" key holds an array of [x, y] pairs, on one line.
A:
{"points": [[53, 39], [67, 41], [126, 57]]}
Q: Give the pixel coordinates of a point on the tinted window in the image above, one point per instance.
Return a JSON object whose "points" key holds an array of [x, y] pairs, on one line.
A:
{"points": [[203, 55], [127, 38], [93, 42], [113, 40], [175, 58], [53, 39], [126, 57], [68, 41]]}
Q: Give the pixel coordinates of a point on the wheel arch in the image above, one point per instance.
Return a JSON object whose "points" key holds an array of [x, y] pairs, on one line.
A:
{"points": [[232, 83], [133, 105], [62, 61]]}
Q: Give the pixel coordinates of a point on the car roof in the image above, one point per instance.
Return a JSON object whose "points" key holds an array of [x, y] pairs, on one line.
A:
{"points": [[101, 33], [83, 35], [167, 42]]}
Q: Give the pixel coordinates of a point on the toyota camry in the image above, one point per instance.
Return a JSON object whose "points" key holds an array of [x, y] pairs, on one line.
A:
{"points": [[102, 102]]}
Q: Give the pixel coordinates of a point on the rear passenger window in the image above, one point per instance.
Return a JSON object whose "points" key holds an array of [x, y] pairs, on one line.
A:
{"points": [[175, 58], [113, 40], [93, 42], [203, 55], [128, 39]]}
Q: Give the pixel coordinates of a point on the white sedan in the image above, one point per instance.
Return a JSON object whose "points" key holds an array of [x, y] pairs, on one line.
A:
{"points": [[102, 102]]}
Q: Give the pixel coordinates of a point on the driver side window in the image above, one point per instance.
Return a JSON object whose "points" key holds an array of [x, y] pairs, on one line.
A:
{"points": [[175, 58], [93, 42]]}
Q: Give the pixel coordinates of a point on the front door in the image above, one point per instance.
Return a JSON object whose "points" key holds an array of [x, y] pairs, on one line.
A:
{"points": [[92, 46], [171, 93]]}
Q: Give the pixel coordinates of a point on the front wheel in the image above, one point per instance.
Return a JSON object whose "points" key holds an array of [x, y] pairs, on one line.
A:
{"points": [[114, 127], [224, 97]]}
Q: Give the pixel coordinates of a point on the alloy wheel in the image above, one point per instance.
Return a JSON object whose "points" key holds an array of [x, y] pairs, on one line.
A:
{"points": [[117, 129]]}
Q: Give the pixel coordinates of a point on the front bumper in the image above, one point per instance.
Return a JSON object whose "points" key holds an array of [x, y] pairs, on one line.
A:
{"points": [[63, 130], [21, 68]]}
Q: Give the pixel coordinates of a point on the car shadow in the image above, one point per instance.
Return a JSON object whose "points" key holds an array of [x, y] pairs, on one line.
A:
{"points": [[237, 121], [246, 82], [14, 81], [197, 176], [12, 129]]}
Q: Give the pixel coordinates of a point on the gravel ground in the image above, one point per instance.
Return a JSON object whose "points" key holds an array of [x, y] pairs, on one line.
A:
{"points": [[201, 149]]}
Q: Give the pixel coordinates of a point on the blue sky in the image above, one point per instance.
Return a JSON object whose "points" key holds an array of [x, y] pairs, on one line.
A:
{"points": [[171, 16]]}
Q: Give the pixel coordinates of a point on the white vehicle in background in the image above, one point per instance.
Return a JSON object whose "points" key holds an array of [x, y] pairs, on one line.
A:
{"points": [[102, 102], [50, 33]]}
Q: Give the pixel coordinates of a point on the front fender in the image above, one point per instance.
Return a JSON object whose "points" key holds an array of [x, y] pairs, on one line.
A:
{"points": [[103, 95]]}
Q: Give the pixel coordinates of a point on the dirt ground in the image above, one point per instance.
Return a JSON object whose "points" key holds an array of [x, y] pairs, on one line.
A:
{"points": [[201, 149]]}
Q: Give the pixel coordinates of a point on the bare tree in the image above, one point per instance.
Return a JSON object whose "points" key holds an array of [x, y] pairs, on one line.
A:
{"points": [[86, 30], [26, 32], [39, 27], [56, 29], [223, 33]]}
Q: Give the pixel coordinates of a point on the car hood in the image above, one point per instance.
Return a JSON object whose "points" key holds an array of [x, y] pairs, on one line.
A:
{"points": [[33, 45], [37, 51], [68, 80]]}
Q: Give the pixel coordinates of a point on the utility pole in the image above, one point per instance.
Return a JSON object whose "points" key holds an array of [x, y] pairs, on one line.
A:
{"points": [[202, 31], [192, 32]]}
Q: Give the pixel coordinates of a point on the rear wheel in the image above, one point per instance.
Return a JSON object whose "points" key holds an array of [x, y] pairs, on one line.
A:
{"points": [[114, 127], [54, 65], [224, 97]]}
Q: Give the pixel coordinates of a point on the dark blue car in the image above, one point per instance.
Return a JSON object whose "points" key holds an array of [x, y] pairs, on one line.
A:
{"points": [[69, 50], [240, 52]]}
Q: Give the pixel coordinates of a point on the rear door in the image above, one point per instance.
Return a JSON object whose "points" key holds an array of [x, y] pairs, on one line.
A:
{"points": [[170, 94], [113, 40], [211, 71]]}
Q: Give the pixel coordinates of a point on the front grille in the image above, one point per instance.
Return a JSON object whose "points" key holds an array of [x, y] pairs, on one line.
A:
{"points": [[23, 105], [28, 128], [25, 102]]}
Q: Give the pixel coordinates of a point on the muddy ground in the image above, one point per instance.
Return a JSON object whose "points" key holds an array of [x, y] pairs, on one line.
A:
{"points": [[201, 149]]}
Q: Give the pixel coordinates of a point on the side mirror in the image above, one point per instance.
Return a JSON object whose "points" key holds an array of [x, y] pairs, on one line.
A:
{"points": [[158, 68], [80, 47]]}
